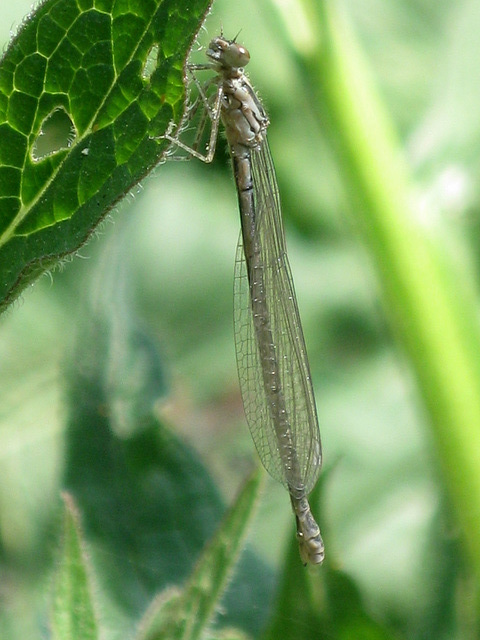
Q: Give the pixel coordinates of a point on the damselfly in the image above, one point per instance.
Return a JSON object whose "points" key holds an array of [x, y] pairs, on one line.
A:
{"points": [[271, 356]]}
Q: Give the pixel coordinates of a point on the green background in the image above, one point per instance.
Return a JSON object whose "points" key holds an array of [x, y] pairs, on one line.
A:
{"points": [[384, 509]]}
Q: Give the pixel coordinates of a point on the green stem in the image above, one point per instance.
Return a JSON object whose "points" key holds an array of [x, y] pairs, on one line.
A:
{"points": [[433, 313]]}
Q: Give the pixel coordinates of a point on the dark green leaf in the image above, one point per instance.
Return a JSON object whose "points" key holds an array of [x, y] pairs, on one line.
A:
{"points": [[320, 602], [148, 503], [82, 63], [188, 615]]}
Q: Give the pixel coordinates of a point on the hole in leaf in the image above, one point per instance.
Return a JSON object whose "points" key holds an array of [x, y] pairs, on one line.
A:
{"points": [[150, 62], [56, 133]]}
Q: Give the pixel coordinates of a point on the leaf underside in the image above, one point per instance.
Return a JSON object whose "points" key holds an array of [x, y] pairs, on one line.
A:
{"points": [[87, 88]]}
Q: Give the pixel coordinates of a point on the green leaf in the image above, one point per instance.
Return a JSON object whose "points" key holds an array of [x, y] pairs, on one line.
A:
{"points": [[83, 106], [188, 615], [73, 613], [148, 504], [320, 602]]}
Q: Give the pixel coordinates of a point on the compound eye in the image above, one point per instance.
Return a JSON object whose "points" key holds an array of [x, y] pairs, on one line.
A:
{"points": [[236, 55]]}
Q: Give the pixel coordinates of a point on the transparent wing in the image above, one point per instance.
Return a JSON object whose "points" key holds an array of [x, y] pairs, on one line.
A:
{"points": [[299, 414]]}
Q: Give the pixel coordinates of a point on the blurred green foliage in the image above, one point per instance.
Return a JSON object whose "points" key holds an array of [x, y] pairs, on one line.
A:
{"points": [[143, 328]]}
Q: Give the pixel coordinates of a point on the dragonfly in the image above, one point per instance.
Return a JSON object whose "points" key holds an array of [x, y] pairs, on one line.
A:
{"points": [[272, 362]]}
